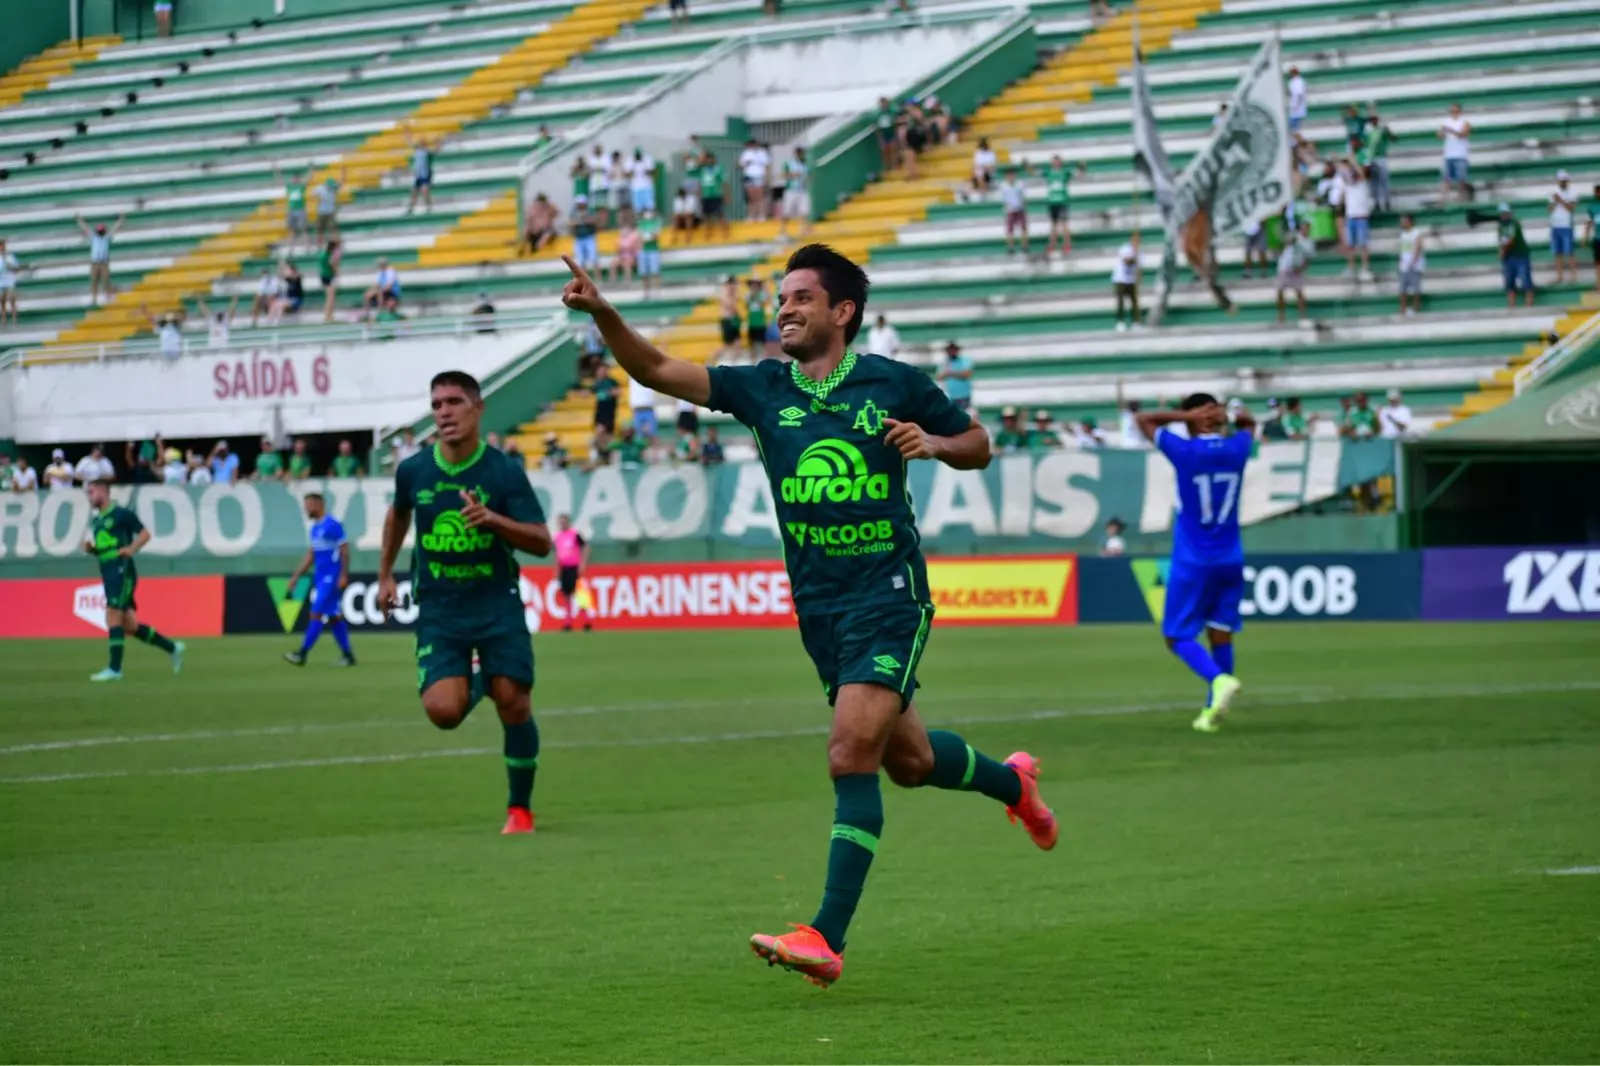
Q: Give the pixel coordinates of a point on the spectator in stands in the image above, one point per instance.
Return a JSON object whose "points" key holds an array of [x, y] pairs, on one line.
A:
{"points": [[1413, 261], [1563, 207], [513, 451], [10, 267], [100, 239], [686, 448], [388, 314], [1044, 434], [294, 196], [689, 417], [141, 459], [219, 324], [328, 263], [175, 471], [492, 439], [328, 207], [629, 241], [346, 463], [23, 477], [940, 122], [754, 162], [405, 446], [642, 399], [883, 339], [1516, 268], [483, 314], [775, 186], [887, 124], [293, 296], [796, 194], [1255, 245], [423, 150], [1358, 224], [1295, 424], [685, 214], [713, 192], [268, 288], [591, 364], [555, 456], [269, 464], [1359, 421], [300, 459], [1125, 282], [6, 470], [1394, 417], [94, 467], [1220, 117], [1591, 234], [1086, 434], [1114, 544], [629, 448], [163, 18], [617, 193], [199, 469], [914, 135], [585, 248], [542, 138], [679, 11], [1355, 128], [385, 288], [1128, 426], [58, 475], [539, 227], [1014, 202], [1299, 100], [1272, 425], [223, 464], [605, 389], [1057, 198], [757, 305], [1331, 190], [711, 448], [1374, 155], [1011, 437], [1292, 262], [582, 179], [168, 329], [1456, 132], [731, 323], [650, 251], [956, 376], [984, 161]]}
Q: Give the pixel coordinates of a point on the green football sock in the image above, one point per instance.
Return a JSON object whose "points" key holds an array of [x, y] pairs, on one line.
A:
{"points": [[857, 824], [149, 636], [522, 761], [116, 648], [956, 765]]}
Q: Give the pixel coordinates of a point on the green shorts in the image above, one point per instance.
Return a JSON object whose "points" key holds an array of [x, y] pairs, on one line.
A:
{"points": [[120, 580], [445, 646], [871, 645]]}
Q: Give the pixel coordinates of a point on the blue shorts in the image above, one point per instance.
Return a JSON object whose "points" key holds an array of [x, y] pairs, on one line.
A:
{"points": [[325, 598], [1517, 272], [421, 181], [1455, 170], [644, 421], [1359, 231], [644, 200], [1561, 242], [1295, 122], [588, 253], [1202, 597], [649, 263]]}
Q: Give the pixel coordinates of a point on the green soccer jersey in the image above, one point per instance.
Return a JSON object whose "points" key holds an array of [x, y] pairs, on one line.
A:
{"points": [[299, 465], [114, 529], [346, 466], [628, 451], [1010, 440], [1377, 146], [580, 185], [1362, 422], [269, 465], [1057, 181], [295, 192], [711, 179], [1511, 231], [844, 515], [650, 230], [453, 567], [755, 310]]}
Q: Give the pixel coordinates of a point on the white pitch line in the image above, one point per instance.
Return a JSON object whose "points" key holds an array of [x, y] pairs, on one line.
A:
{"points": [[1046, 714], [1574, 871]]}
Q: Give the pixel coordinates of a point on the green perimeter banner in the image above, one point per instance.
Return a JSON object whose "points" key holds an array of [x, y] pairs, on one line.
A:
{"points": [[1057, 501]]}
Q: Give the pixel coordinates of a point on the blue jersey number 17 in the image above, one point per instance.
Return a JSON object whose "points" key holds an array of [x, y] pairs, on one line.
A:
{"points": [[1211, 486]]}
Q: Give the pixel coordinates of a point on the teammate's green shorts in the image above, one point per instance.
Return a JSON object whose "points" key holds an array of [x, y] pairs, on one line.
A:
{"points": [[119, 579], [872, 645], [445, 645]]}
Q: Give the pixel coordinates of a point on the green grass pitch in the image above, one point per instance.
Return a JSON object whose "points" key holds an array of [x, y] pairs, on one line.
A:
{"points": [[256, 863]]}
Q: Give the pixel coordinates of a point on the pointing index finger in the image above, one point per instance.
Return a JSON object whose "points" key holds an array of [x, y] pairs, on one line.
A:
{"points": [[577, 271]]}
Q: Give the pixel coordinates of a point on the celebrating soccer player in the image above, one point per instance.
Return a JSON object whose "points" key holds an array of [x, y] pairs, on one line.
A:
{"points": [[474, 509], [115, 537], [835, 430], [328, 560], [1205, 581]]}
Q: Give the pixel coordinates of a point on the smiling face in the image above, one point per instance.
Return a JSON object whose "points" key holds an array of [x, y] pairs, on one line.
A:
{"points": [[455, 413], [808, 327]]}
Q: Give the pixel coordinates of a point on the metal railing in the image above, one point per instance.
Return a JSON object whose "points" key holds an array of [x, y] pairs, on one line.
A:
{"points": [[1559, 354], [278, 337]]}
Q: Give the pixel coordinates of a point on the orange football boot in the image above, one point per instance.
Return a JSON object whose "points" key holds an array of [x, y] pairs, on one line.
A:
{"points": [[518, 820], [1038, 819], [804, 951]]}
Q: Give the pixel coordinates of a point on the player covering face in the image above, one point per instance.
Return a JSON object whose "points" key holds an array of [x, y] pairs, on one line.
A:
{"points": [[836, 429]]}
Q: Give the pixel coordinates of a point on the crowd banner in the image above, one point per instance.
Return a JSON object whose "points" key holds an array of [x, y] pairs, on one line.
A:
{"points": [[1049, 502], [1510, 583], [62, 607], [1352, 586]]}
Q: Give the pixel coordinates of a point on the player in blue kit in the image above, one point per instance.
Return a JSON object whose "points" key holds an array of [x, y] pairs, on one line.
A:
{"points": [[328, 560], [1205, 581]]}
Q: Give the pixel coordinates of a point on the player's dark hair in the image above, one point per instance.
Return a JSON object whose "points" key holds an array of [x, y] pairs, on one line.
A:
{"points": [[103, 482], [461, 380], [841, 280], [314, 496], [1195, 400]]}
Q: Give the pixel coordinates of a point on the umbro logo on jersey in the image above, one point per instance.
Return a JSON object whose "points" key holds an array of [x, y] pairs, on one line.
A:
{"points": [[424, 497], [791, 416]]}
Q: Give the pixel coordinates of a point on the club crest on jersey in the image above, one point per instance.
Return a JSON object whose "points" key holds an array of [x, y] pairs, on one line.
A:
{"points": [[869, 419]]}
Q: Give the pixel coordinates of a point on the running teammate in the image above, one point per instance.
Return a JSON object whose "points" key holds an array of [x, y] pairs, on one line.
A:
{"points": [[1205, 580], [835, 430], [572, 556], [115, 537], [475, 509], [328, 560]]}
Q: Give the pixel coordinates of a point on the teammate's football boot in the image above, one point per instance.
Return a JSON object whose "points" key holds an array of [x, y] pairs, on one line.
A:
{"points": [[1036, 818], [1224, 687], [177, 656], [107, 674], [518, 820], [804, 951]]}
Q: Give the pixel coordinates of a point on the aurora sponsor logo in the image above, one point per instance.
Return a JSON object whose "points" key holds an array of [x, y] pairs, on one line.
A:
{"points": [[833, 471], [450, 535]]}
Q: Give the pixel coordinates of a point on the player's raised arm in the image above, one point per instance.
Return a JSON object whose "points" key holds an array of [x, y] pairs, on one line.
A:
{"points": [[643, 361], [1151, 421]]}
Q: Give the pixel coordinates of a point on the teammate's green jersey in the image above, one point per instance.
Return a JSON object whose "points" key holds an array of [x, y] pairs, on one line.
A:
{"points": [[1056, 183], [455, 568], [650, 230], [844, 515], [114, 529], [295, 193]]}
